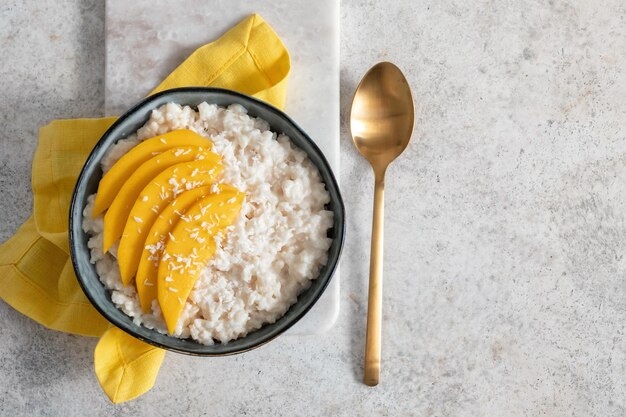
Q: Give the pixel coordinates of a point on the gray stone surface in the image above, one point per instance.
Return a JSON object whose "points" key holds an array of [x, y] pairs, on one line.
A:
{"points": [[504, 291]]}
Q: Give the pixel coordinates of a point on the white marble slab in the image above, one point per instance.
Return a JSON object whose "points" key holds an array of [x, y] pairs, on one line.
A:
{"points": [[145, 40]]}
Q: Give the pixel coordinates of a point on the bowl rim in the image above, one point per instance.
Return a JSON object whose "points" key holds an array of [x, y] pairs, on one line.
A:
{"points": [[89, 161]]}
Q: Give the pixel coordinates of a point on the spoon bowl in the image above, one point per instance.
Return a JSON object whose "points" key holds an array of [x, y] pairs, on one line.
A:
{"points": [[381, 124], [382, 114]]}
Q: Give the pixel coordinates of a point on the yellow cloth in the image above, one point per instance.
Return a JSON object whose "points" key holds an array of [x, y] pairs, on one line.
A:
{"points": [[126, 367], [36, 275]]}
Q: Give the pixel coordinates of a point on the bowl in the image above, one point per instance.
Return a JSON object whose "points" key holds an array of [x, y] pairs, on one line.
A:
{"points": [[91, 174]]}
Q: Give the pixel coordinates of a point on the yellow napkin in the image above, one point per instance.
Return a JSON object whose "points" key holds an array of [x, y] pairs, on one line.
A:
{"points": [[36, 274]]}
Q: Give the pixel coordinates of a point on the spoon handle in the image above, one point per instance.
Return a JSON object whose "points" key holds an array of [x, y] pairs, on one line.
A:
{"points": [[375, 297]]}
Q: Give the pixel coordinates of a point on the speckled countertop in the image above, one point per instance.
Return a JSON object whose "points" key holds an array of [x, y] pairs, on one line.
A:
{"points": [[505, 291]]}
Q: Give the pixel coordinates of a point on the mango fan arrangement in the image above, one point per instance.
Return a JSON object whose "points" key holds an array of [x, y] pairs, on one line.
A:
{"points": [[163, 203]]}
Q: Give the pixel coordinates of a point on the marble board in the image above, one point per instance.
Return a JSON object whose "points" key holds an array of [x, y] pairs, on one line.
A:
{"points": [[146, 40]]}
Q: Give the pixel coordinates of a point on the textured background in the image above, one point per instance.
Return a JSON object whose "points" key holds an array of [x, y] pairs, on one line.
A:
{"points": [[506, 233]]}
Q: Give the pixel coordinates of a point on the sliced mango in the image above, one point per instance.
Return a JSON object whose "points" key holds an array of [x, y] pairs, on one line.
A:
{"points": [[188, 248], [150, 201], [113, 180], [115, 219], [146, 279]]}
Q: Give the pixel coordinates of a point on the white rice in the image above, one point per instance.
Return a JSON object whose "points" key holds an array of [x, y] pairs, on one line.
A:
{"points": [[277, 245]]}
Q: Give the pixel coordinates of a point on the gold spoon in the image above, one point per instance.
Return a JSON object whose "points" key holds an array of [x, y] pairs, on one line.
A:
{"points": [[381, 123]]}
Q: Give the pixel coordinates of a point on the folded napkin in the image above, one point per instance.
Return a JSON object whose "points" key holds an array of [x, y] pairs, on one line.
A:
{"points": [[36, 274]]}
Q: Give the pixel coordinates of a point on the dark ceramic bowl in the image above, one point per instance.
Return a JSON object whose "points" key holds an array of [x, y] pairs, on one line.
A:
{"points": [[87, 184]]}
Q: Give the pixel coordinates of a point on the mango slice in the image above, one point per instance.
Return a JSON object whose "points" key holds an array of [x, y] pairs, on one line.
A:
{"points": [[113, 180], [118, 213], [188, 248], [146, 279]]}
